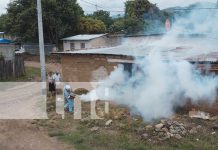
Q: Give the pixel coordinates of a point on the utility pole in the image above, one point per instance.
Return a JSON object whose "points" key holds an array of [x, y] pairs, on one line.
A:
{"points": [[96, 6], [41, 45]]}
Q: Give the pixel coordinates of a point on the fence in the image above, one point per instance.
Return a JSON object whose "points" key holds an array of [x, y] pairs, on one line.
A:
{"points": [[9, 69], [34, 48], [19, 68]]}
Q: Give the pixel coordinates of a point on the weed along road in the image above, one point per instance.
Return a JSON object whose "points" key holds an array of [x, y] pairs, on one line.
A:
{"points": [[22, 100]]}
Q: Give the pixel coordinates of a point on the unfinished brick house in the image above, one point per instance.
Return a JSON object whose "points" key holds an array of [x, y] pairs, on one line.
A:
{"points": [[96, 64], [90, 66]]}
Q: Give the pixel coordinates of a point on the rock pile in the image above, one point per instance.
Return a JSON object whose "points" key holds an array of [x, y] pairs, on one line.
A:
{"points": [[169, 129]]}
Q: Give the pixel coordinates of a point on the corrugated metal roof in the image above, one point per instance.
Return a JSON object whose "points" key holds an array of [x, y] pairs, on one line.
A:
{"points": [[193, 49], [83, 37]]}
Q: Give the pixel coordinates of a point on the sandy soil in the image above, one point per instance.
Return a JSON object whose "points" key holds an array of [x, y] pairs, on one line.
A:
{"points": [[22, 135]]}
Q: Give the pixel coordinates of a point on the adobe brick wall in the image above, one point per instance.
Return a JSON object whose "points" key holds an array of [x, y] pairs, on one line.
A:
{"points": [[86, 68]]}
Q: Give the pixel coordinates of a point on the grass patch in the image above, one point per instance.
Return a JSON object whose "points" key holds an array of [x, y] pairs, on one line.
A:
{"points": [[56, 134], [31, 74], [84, 139]]}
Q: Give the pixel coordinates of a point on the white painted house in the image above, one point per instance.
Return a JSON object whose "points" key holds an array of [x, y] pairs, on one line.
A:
{"points": [[90, 41]]}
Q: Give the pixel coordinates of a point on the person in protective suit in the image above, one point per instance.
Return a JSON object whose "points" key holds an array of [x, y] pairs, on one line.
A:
{"points": [[69, 98]]}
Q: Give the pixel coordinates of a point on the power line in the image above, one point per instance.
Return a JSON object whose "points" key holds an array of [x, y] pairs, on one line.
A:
{"points": [[93, 4]]}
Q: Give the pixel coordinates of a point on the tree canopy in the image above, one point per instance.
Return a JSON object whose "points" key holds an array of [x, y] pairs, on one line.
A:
{"points": [[89, 25], [147, 17], [104, 16], [60, 18]]}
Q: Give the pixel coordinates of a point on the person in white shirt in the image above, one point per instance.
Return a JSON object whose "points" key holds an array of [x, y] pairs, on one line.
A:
{"points": [[57, 79]]}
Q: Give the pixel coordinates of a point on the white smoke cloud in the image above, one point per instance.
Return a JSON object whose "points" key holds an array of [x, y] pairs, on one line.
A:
{"points": [[160, 81], [172, 3], [157, 87]]}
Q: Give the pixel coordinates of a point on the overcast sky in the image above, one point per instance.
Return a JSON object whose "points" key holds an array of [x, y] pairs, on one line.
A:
{"points": [[117, 5]]}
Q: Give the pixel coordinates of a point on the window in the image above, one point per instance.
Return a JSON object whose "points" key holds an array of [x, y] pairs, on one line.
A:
{"points": [[72, 46], [83, 45]]}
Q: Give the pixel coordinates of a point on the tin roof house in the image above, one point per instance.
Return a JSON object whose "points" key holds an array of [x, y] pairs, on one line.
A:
{"points": [[90, 41]]}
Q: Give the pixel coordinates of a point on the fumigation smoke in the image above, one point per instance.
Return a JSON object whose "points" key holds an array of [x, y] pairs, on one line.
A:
{"points": [[158, 83]]}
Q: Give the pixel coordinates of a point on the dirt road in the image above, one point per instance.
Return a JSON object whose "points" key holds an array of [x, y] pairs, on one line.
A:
{"points": [[17, 102], [22, 135]]}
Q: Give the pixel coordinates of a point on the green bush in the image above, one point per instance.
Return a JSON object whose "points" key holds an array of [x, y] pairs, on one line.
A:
{"points": [[81, 91]]}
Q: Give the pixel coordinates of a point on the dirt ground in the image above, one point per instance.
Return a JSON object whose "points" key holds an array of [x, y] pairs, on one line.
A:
{"points": [[22, 135], [124, 132]]}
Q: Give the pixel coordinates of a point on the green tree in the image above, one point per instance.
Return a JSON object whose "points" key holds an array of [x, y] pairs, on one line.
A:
{"points": [[104, 16], [138, 8], [60, 18], [3, 19], [89, 25], [141, 15], [118, 26], [128, 25], [134, 26]]}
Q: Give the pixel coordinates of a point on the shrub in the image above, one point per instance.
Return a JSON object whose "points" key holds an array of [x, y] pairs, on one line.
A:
{"points": [[81, 91]]}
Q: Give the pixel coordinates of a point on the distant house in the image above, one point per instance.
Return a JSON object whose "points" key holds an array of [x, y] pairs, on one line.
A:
{"points": [[2, 34], [11, 63], [7, 49], [90, 41]]}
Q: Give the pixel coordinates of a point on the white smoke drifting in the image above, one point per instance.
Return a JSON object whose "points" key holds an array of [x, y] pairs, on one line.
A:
{"points": [[158, 85], [156, 89]]}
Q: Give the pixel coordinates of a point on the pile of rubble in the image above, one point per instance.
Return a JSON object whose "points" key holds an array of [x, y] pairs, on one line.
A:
{"points": [[169, 129]]}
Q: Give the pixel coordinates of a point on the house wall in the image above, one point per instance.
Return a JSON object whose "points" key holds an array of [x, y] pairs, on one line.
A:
{"points": [[100, 42], [77, 45], [8, 51], [86, 68]]}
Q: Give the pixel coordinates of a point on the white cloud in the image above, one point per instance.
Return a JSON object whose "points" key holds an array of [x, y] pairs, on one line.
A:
{"points": [[3, 5]]}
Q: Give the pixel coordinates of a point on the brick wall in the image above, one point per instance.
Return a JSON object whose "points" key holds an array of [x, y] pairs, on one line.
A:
{"points": [[86, 68]]}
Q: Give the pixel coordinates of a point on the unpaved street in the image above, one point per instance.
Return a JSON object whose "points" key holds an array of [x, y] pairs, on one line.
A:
{"points": [[22, 135], [20, 101]]}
